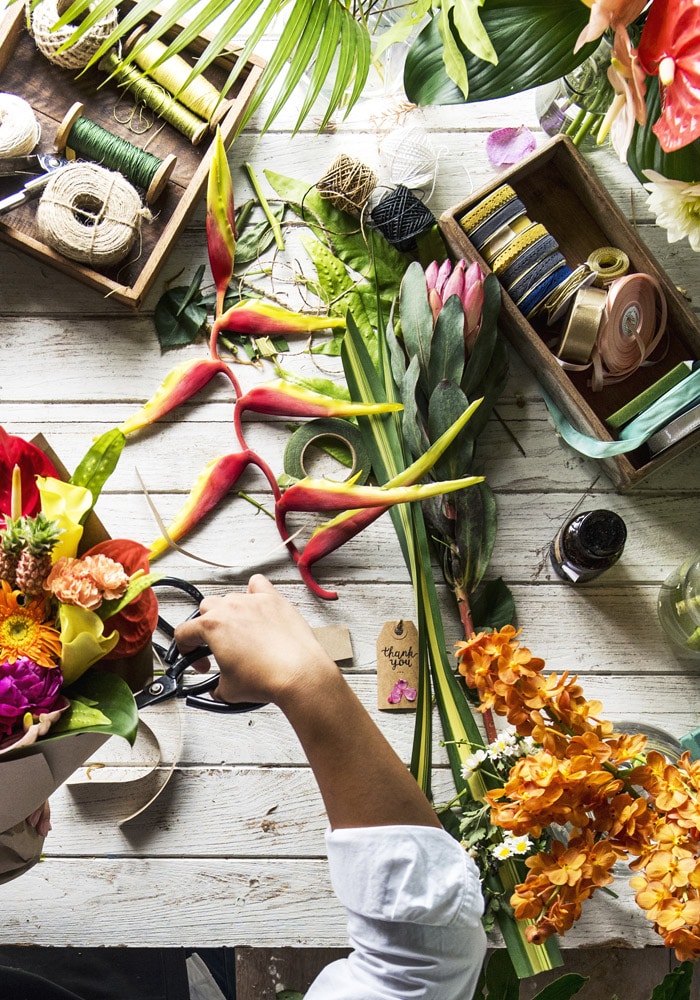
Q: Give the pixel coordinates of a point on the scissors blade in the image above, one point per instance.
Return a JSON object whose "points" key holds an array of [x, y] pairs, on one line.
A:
{"points": [[31, 165]]}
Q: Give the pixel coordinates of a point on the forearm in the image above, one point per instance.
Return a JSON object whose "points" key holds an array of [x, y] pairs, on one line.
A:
{"points": [[362, 780]]}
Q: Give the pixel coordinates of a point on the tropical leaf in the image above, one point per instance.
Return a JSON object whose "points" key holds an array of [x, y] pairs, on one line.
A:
{"points": [[314, 31], [111, 696], [447, 348], [645, 153], [533, 39]]}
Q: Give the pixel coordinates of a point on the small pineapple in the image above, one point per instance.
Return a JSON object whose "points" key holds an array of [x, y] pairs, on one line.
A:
{"points": [[10, 548], [39, 536]]}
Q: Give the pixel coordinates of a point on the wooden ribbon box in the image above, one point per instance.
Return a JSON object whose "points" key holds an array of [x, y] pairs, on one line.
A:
{"points": [[52, 90], [561, 191]]}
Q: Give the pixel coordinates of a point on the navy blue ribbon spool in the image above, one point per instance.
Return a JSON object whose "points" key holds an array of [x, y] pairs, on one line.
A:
{"points": [[533, 275], [536, 296], [401, 217], [528, 258], [503, 216]]}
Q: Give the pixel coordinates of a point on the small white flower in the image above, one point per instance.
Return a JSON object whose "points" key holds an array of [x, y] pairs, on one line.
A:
{"points": [[503, 744], [501, 851], [527, 745], [471, 762], [676, 205], [518, 845]]}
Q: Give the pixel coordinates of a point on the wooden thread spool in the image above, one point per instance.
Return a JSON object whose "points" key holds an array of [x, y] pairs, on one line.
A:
{"points": [[154, 97], [143, 169], [172, 73]]}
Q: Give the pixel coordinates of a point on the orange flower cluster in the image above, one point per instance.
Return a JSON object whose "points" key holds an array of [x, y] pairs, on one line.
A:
{"points": [[616, 802]]}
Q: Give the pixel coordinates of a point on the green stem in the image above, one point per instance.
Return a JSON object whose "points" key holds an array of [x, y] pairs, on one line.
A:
{"points": [[274, 223]]}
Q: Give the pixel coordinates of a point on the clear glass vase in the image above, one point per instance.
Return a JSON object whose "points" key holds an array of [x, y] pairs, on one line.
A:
{"points": [[679, 605], [576, 104]]}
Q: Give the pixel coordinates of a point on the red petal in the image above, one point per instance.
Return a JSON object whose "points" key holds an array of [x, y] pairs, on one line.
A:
{"points": [[672, 30], [32, 462]]}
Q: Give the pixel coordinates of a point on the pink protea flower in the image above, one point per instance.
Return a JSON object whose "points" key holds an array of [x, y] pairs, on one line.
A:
{"points": [[464, 281], [27, 688]]}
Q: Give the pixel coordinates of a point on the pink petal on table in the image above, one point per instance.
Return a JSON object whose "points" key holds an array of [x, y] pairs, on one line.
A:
{"points": [[410, 694], [395, 695], [508, 145]]}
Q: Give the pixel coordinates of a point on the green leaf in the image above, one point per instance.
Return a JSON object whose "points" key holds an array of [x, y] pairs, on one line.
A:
{"points": [[471, 30], [417, 320], [446, 404], [256, 238], [501, 979], [177, 325], [676, 985], [136, 586], [492, 606], [414, 432], [99, 462], [193, 290], [447, 344], [111, 696], [452, 57], [534, 42], [484, 345], [645, 153], [563, 988]]}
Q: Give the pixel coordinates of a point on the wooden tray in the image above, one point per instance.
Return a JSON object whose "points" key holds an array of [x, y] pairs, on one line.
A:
{"points": [[51, 91], [561, 191]]}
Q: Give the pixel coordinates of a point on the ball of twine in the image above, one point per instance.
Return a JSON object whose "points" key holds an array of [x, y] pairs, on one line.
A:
{"points": [[90, 214], [347, 184], [410, 158], [19, 129], [45, 15], [401, 217]]}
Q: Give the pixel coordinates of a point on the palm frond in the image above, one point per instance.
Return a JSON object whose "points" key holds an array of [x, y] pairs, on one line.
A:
{"points": [[314, 34]]}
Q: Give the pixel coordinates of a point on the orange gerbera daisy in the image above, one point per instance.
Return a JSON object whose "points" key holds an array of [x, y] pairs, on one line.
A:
{"points": [[24, 632]]}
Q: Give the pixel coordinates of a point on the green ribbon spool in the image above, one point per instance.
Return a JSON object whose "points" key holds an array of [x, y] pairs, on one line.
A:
{"points": [[314, 432]]}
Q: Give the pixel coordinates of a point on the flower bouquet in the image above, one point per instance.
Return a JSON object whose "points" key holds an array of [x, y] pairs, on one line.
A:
{"points": [[64, 608], [574, 798]]}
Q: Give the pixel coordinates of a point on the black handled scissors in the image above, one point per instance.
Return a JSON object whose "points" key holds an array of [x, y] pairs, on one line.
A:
{"points": [[38, 167], [171, 683]]}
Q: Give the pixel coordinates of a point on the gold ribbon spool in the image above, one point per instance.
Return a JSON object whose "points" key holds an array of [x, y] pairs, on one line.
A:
{"points": [[490, 204], [608, 263], [522, 241], [582, 325], [502, 237]]}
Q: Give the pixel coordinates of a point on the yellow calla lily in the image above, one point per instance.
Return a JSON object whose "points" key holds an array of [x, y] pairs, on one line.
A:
{"points": [[82, 641], [67, 504]]}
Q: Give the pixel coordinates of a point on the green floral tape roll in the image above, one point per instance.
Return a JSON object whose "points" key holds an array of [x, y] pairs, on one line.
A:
{"points": [[321, 433]]}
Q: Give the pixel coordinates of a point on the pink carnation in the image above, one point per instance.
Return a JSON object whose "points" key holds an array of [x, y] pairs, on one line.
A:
{"points": [[87, 582]]}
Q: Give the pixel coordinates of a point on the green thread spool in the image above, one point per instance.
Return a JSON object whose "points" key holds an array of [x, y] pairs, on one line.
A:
{"points": [[172, 73], [90, 141], [154, 97]]}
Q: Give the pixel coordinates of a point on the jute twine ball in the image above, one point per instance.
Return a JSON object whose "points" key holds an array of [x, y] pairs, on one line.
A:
{"points": [[90, 214], [19, 129], [347, 184], [45, 15], [401, 217]]}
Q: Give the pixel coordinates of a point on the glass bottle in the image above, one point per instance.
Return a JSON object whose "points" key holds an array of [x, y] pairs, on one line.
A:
{"points": [[679, 605], [588, 544], [577, 103]]}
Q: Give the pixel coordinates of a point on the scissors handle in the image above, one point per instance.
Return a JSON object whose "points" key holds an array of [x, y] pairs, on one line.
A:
{"points": [[198, 696]]}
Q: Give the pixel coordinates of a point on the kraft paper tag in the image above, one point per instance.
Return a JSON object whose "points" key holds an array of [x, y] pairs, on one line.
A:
{"points": [[397, 666]]}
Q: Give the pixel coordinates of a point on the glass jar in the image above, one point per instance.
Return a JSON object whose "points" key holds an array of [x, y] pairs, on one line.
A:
{"points": [[679, 605], [577, 103], [588, 544]]}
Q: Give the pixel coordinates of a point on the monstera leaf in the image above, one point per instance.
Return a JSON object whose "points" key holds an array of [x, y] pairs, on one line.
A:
{"points": [[534, 41]]}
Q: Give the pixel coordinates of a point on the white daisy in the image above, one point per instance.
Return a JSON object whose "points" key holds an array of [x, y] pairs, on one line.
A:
{"points": [[471, 762], [518, 845], [501, 851], [676, 205]]}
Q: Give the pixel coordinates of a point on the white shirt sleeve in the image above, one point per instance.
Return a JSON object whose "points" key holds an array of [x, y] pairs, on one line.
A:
{"points": [[414, 904]]}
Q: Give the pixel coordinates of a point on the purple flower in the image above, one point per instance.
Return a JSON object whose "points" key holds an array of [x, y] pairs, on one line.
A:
{"points": [[27, 687]]}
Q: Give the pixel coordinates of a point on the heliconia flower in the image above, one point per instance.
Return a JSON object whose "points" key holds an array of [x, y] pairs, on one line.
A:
{"points": [[284, 399], [670, 47], [177, 387], [212, 484], [221, 229], [261, 319], [327, 495], [464, 281], [32, 462]]}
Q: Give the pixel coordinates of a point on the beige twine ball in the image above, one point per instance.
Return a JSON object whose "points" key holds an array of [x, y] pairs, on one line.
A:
{"points": [[45, 15], [347, 184], [90, 214], [19, 129]]}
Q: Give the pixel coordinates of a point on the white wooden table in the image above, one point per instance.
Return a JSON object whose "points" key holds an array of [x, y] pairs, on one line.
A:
{"points": [[232, 852]]}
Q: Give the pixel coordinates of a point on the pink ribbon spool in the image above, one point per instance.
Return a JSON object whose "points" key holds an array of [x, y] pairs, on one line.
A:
{"points": [[629, 330]]}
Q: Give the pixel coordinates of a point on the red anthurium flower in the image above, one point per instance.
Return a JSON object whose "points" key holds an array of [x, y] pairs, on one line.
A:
{"points": [[670, 47], [32, 462], [134, 623]]}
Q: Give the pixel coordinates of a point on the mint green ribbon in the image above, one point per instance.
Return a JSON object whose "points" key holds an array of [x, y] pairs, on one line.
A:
{"points": [[637, 431]]}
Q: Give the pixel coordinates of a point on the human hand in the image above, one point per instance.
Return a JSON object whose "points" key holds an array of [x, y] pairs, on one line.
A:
{"points": [[264, 648]]}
